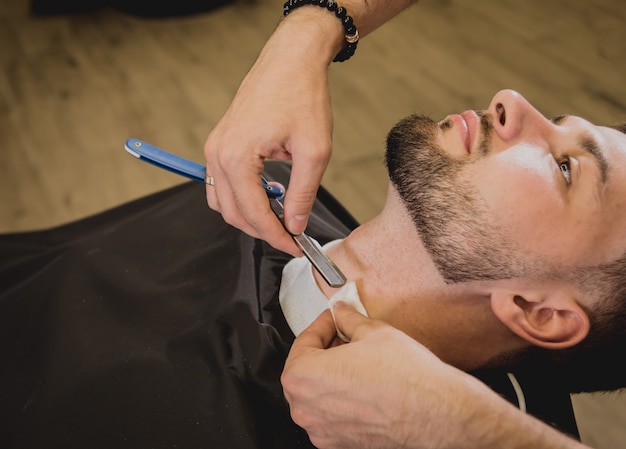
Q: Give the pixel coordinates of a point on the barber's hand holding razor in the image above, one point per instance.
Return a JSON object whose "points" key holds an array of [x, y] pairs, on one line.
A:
{"points": [[281, 111], [384, 390]]}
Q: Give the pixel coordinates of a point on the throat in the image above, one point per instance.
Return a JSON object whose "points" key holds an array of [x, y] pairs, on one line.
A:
{"points": [[387, 270]]}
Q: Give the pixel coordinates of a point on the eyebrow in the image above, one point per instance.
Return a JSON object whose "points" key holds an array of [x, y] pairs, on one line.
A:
{"points": [[590, 145]]}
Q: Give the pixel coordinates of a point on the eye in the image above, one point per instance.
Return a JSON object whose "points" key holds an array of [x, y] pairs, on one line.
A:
{"points": [[566, 169]]}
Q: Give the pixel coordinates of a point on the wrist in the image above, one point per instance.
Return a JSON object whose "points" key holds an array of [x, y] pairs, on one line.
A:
{"points": [[351, 34], [313, 32]]}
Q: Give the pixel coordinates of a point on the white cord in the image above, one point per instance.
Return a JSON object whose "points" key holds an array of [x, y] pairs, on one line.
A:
{"points": [[521, 400]]}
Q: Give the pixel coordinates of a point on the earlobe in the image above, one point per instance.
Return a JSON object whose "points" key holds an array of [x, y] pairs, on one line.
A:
{"points": [[552, 320]]}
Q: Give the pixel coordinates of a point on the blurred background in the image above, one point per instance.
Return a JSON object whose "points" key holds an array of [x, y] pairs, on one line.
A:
{"points": [[79, 78]]}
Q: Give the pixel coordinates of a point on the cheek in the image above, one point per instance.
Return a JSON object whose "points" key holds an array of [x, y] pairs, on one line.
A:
{"points": [[522, 195]]}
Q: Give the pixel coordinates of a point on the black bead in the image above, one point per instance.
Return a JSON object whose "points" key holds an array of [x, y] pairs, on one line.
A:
{"points": [[347, 22], [340, 12], [351, 30], [331, 6]]}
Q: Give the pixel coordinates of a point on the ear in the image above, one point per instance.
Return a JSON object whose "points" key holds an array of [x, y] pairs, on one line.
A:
{"points": [[546, 316]]}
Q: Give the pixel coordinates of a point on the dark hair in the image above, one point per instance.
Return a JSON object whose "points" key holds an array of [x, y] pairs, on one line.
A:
{"points": [[596, 363]]}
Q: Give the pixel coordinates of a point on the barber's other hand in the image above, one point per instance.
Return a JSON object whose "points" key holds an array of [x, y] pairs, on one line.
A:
{"points": [[381, 390], [384, 390], [281, 111]]}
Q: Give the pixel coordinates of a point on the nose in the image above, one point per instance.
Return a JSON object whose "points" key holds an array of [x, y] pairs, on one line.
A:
{"points": [[513, 117]]}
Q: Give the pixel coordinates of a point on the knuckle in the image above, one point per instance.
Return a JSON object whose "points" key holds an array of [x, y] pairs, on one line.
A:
{"points": [[319, 440], [213, 206], [298, 416], [291, 381], [213, 203], [210, 146], [318, 158], [286, 379], [321, 158], [302, 196], [232, 220]]}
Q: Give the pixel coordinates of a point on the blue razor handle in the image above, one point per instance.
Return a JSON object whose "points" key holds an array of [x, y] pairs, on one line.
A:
{"points": [[196, 172], [181, 166]]}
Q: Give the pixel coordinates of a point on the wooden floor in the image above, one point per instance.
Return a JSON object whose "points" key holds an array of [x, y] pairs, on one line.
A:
{"points": [[74, 88]]}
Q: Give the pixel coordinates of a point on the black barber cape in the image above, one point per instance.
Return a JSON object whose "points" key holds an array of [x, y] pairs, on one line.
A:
{"points": [[157, 325]]}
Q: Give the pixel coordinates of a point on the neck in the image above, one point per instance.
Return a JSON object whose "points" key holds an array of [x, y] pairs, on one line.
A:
{"points": [[398, 283], [387, 261]]}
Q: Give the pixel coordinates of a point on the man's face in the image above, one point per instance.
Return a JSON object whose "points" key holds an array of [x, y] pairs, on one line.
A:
{"points": [[506, 193]]}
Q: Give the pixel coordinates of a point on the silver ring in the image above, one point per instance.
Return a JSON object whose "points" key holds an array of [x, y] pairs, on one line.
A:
{"points": [[209, 180]]}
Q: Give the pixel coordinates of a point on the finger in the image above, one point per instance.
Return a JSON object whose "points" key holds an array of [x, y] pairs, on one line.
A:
{"points": [[254, 208], [244, 204], [319, 335], [220, 195], [306, 175], [211, 196], [349, 321], [211, 171]]}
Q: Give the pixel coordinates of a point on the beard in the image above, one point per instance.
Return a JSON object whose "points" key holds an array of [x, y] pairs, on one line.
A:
{"points": [[448, 214]]}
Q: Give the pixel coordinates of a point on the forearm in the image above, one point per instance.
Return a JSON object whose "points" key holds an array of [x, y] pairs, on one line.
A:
{"points": [[487, 421], [512, 429]]}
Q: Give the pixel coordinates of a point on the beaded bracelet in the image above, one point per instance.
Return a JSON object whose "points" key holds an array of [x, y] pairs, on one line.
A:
{"points": [[351, 33]]}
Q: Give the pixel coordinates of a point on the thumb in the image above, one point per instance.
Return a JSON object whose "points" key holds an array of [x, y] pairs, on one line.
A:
{"points": [[306, 175], [319, 335], [349, 321]]}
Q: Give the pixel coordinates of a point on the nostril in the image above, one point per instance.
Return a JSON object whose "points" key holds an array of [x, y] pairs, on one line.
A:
{"points": [[501, 113]]}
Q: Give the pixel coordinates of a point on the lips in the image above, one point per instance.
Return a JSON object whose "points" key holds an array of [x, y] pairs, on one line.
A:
{"points": [[465, 125], [471, 120]]}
